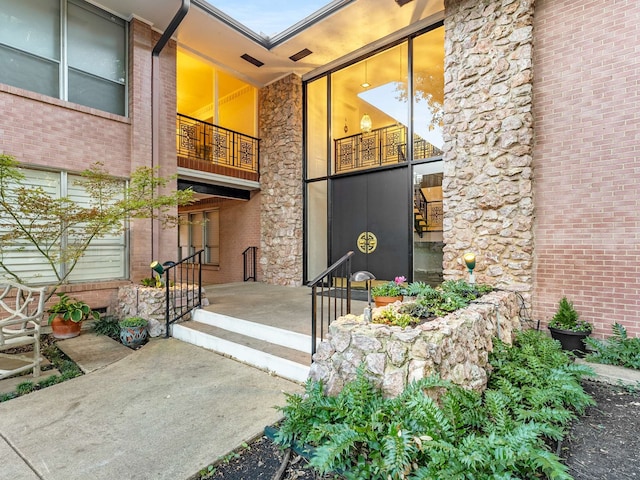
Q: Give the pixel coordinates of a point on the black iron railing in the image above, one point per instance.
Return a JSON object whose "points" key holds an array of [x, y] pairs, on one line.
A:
{"points": [[379, 147], [218, 145], [249, 263], [330, 297], [183, 292]]}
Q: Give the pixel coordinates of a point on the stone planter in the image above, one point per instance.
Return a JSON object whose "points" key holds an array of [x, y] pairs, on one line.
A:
{"points": [[149, 303], [455, 347]]}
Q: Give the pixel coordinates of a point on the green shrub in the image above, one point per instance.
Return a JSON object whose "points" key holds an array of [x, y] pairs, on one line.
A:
{"points": [[107, 326], [133, 322], [533, 393], [616, 350]]}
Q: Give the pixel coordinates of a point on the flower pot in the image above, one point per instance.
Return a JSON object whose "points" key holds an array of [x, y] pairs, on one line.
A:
{"points": [[570, 340], [133, 336], [62, 329], [383, 301]]}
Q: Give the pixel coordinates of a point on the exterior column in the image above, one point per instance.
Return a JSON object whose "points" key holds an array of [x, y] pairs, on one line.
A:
{"points": [[281, 154], [488, 134]]}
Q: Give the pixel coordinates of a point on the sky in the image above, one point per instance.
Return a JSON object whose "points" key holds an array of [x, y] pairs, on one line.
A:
{"points": [[268, 18]]}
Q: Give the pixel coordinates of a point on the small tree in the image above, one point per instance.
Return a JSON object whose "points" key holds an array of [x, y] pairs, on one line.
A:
{"points": [[31, 217]]}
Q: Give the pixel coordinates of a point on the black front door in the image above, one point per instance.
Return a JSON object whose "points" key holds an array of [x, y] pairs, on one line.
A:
{"points": [[370, 215]]}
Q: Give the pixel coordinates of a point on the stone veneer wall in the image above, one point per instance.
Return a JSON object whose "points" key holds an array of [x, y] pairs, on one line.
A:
{"points": [[488, 134], [455, 347], [281, 180]]}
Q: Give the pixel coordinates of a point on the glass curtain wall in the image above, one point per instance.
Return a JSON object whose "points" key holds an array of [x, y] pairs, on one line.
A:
{"points": [[364, 117]]}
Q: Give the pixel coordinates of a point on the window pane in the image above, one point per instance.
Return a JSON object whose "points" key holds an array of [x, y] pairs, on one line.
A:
{"points": [[23, 258], [26, 71], [96, 42], [428, 97], [316, 228], [317, 156], [32, 26], [95, 92], [196, 232], [212, 252], [105, 257]]}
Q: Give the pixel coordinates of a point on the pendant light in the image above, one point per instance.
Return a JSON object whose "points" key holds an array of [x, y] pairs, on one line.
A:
{"points": [[365, 123]]}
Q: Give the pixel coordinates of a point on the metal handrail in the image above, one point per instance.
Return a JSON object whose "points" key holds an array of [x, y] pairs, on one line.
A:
{"points": [[329, 285], [249, 263], [181, 288]]}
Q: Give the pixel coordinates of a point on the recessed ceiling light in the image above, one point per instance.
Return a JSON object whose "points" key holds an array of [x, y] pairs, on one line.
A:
{"points": [[250, 59], [300, 55]]}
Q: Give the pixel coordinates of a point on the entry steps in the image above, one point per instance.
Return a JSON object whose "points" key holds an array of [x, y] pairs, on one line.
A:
{"points": [[282, 352]]}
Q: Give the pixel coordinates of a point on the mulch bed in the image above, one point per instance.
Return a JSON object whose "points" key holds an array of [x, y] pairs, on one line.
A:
{"points": [[604, 444]]}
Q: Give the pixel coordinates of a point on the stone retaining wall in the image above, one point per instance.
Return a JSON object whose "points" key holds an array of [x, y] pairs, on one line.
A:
{"points": [[455, 347], [149, 303]]}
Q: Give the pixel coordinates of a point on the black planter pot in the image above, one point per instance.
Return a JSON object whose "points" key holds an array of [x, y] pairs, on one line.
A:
{"points": [[572, 341]]}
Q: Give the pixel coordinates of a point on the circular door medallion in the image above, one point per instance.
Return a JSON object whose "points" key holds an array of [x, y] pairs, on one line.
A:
{"points": [[367, 242]]}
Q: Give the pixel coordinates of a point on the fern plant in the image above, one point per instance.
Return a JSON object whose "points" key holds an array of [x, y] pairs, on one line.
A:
{"points": [[618, 349], [534, 391]]}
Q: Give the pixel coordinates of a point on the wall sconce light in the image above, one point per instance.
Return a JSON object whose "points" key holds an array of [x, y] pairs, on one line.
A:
{"points": [[364, 276], [365, 123], [470, 261]]}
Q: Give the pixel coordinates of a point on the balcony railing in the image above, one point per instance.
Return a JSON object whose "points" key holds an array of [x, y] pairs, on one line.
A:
{"points": [[382, 146], [210, 145]]}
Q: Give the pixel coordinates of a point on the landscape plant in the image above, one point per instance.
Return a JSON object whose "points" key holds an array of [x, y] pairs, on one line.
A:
{"points": [[436, 429], [393, 288], [618, 349], [32, 218], [567, 318]]}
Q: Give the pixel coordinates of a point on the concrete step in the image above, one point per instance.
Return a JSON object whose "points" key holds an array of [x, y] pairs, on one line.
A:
{"points": [[266, 354]]}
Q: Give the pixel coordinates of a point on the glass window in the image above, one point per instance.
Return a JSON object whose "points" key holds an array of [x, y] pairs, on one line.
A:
{"points": [[370, 111], [33, 50], [30, 45], [197, 231], [428, 97], [316, 228], [96, 58], [109, 251], [317, 157]]}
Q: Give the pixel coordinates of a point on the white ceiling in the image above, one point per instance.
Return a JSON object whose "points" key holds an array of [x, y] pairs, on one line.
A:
{"points": [[353, 29]]}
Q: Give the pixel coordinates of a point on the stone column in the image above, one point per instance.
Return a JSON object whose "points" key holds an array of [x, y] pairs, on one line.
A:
{"points": [[281, 181], [488, 134]]}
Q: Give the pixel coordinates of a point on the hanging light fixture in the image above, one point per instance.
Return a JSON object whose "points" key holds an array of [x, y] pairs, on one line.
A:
{"points": [[365, 84], [365, 123]]}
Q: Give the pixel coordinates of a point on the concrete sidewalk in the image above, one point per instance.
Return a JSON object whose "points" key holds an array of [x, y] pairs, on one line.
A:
{"points": [[162, 412]]}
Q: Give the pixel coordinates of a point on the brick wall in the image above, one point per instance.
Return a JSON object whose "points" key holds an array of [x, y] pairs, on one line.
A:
{"points": [[586, 160], [44, 131]]}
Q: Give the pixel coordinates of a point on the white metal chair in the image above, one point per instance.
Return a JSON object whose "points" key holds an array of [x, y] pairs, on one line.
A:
{"points": [[21, 311]]}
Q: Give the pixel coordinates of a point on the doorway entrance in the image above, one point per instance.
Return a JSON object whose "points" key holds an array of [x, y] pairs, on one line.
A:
{"points": [[370, 216]]}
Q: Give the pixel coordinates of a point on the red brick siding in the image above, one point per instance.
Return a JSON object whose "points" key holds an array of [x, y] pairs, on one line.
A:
{"points": [[44, 131], [586, 160]]}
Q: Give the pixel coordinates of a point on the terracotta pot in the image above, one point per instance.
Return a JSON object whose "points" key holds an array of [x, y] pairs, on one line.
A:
{"points": [[383, 301], [65, 328]]}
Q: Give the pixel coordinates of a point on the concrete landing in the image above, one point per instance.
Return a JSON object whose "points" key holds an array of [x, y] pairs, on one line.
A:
{"points": [[92, 352]]}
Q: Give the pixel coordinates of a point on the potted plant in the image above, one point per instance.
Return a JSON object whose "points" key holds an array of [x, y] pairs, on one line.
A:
{"points": [[66, 316], [568, 329], [133, 331], [388, 292]]}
